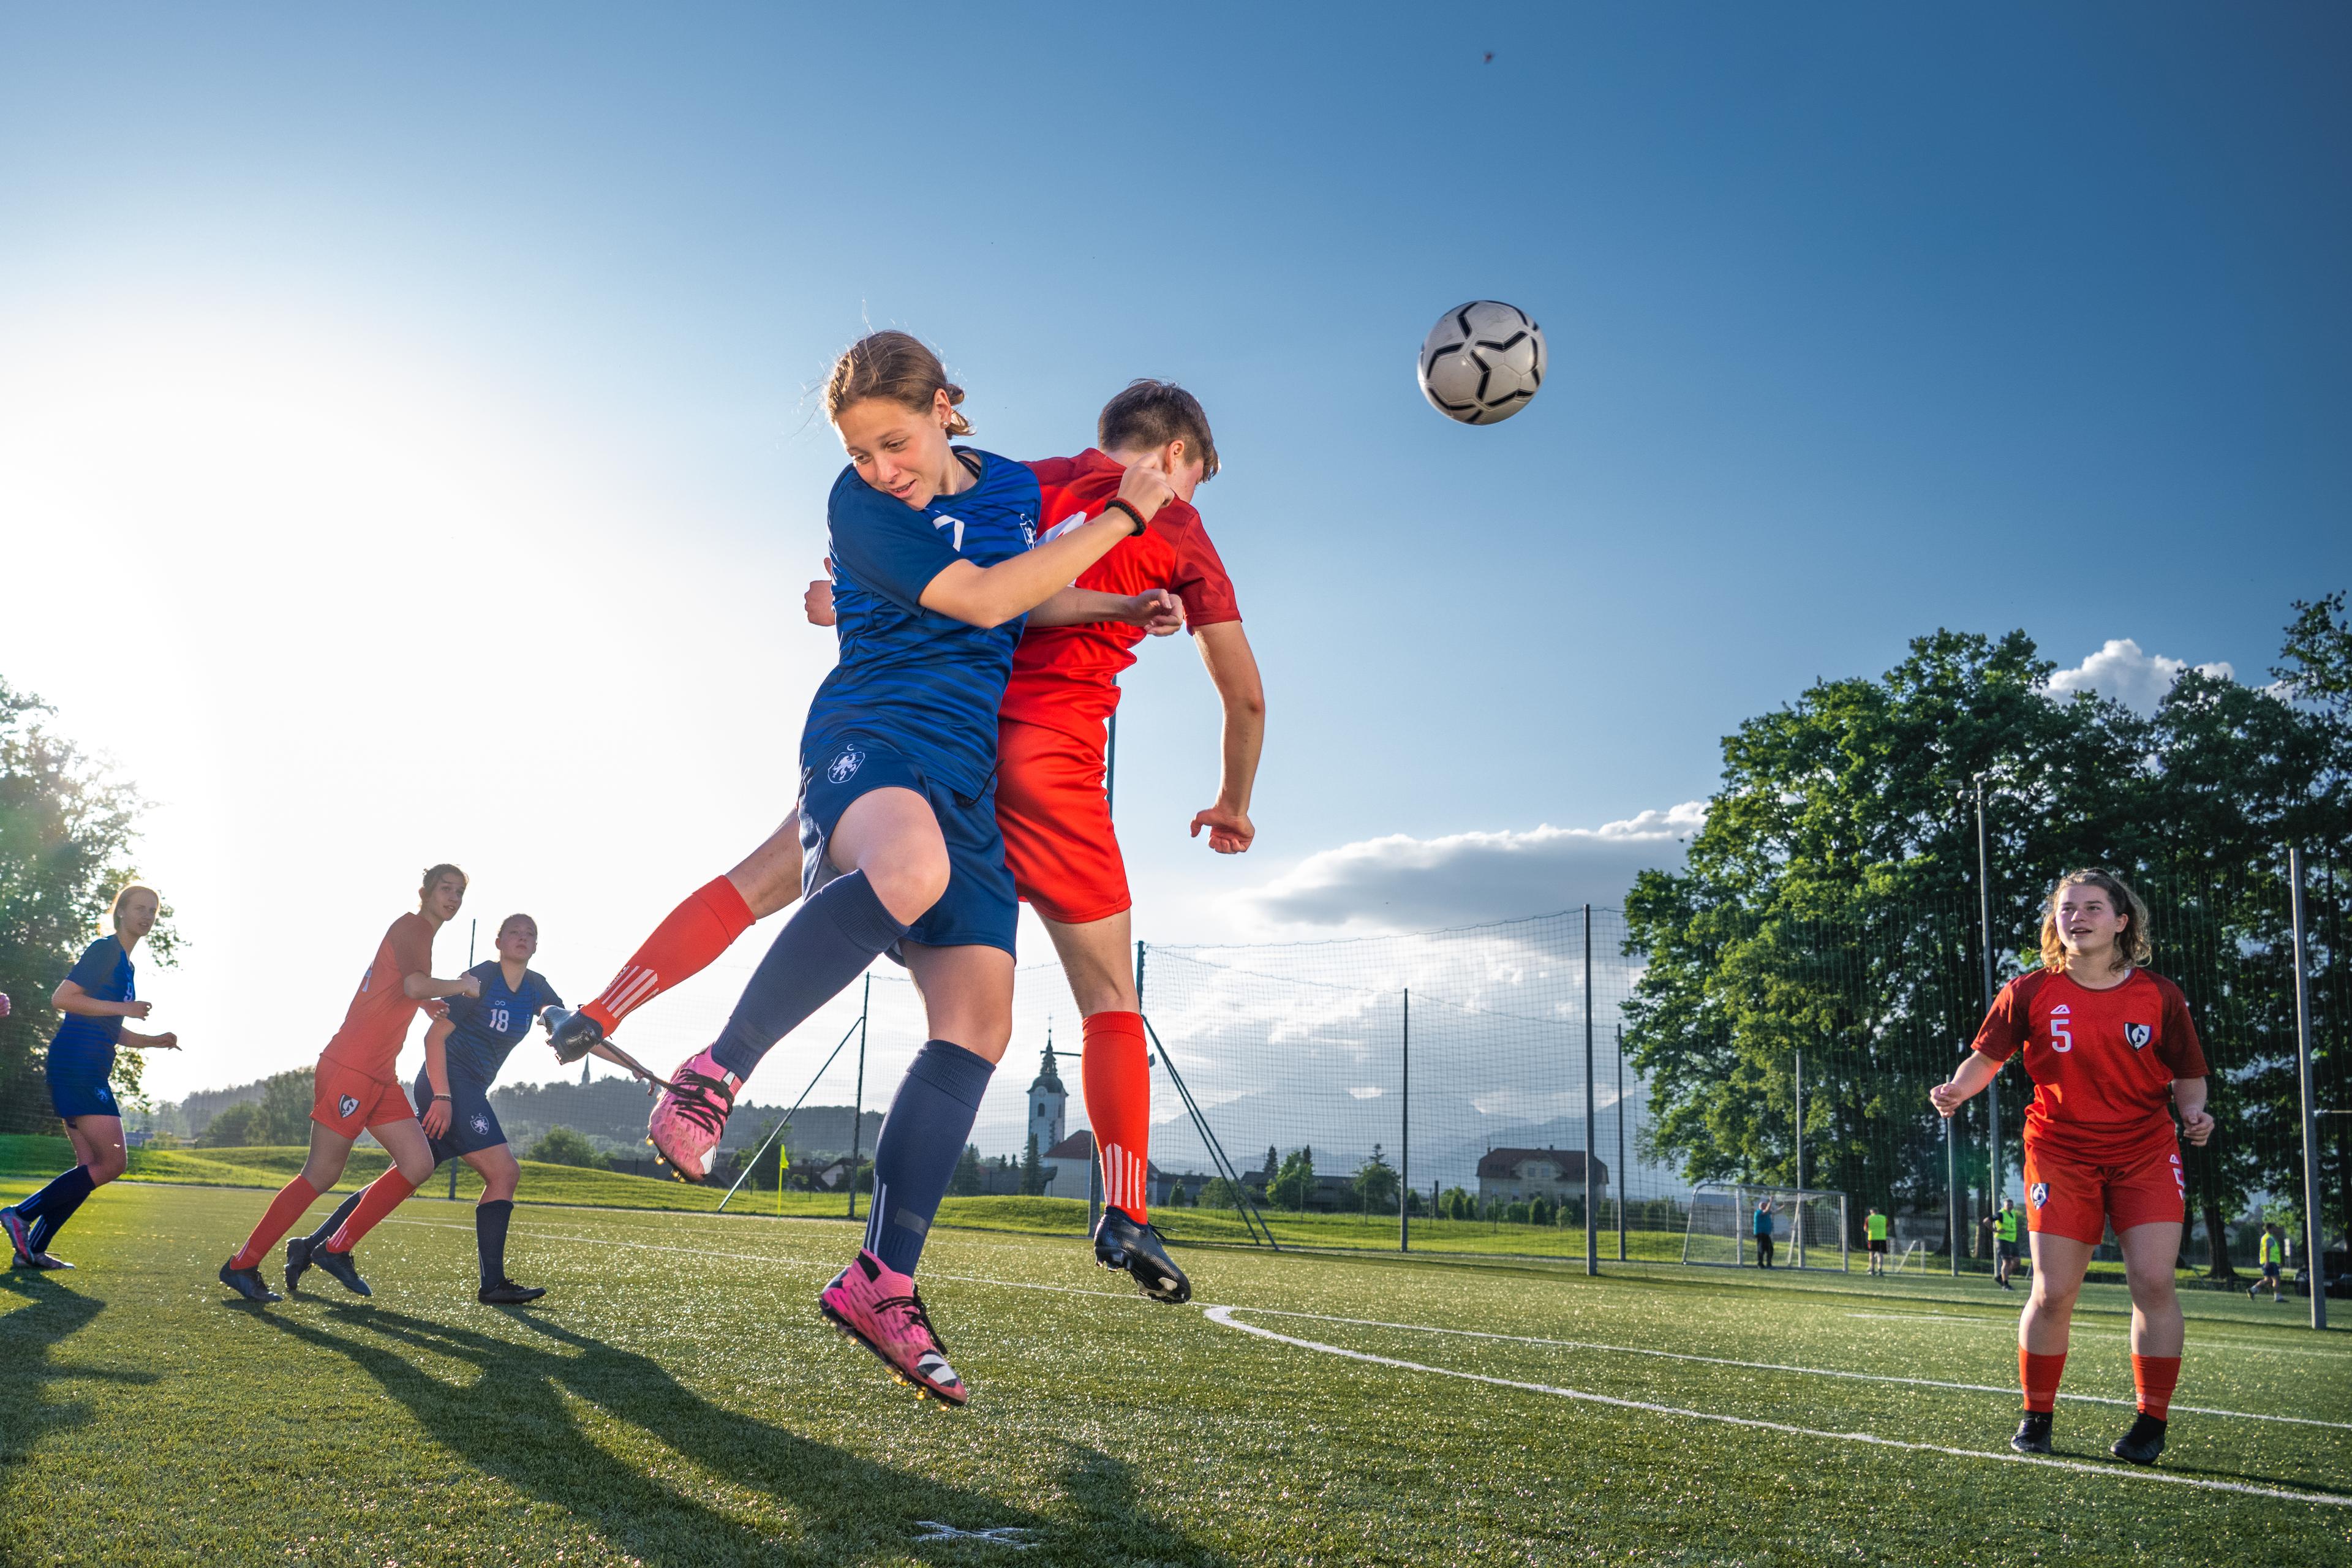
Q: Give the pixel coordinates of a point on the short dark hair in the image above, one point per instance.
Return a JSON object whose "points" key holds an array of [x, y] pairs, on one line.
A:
{"points": [[1150, 414]]}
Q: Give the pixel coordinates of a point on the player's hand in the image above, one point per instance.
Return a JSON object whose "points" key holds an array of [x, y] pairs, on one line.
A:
{"points": [[435, 1118], [137, 1009], [817, 603], [2198, 1124], [1145, 485], [1947, 1098], [1230, 832], [469, 985], [1156, 611], [169, 1041]]}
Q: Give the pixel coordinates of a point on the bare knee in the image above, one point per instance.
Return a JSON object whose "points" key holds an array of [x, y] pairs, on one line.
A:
{"points": [[106, 1164], [2151, 1286], [415, 1168], [2049, 1296], [909, 879], [499, 1178]]}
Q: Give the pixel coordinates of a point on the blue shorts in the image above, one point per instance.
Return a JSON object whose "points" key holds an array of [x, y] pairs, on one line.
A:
{"points": [[979, 908], [77, 1085], [473, 1125]]}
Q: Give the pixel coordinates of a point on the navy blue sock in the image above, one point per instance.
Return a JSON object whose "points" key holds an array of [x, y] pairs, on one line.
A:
{"points": [[46, 1211], [490, 1238], [827, 944], [334, 1221], [922, 1138]]}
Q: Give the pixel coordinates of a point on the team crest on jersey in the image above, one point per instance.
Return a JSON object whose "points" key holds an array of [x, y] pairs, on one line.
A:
{"points": [[845, 767], [346, 1105], [2136, 1036], [2039, 1195]]}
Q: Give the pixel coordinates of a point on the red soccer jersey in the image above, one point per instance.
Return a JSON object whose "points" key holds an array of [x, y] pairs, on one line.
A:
{"points": [[377, 1024], [1066, 677], [2102, 1062]]}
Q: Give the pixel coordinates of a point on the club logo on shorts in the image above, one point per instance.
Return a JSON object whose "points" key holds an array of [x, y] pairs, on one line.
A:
{"points": [[346, 1105], [481, 1124], [2039, 1195], [845, 767], [2136, 1036]]}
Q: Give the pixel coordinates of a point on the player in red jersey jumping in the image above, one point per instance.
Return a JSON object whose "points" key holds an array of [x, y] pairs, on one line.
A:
{"points": [[1051, 803], [2112, 1054], [358, 1087]]}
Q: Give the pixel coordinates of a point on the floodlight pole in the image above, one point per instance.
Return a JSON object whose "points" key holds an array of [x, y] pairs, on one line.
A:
{"points": [[1952, 1193], [2314, 1261], [1591, 1236], [1991, 992], [1404, 1129]]}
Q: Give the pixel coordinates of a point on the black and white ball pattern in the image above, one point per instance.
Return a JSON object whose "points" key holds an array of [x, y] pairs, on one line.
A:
{"points": [[1482, 362]]}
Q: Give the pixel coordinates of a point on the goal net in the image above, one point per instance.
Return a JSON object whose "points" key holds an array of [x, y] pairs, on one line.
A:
{"points": [[1807, 1227]]}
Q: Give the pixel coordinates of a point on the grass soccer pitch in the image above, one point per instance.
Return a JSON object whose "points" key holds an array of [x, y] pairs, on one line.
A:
{"points": [[676, 1400]]}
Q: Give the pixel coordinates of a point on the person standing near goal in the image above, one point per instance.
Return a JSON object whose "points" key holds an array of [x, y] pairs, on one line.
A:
{"points": [[2112, 1052], [2004, 1244], [1874, 1228], [2273, 1256], [1763, 1232]]}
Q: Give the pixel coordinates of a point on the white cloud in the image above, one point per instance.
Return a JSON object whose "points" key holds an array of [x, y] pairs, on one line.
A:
{"points": [[2122, 672], [1401, 883]]}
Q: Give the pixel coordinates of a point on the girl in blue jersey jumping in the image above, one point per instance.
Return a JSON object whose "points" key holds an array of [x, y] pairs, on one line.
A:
{"points": [[898, 847], [96, 997]]}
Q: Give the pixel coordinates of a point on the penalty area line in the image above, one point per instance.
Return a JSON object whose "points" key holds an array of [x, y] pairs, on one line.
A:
{"points": [[1778, 1366], [1224, 1317]]}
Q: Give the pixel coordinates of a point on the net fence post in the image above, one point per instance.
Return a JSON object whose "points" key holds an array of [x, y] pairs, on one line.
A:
{"points": [[1591, 1236], [1799, 1227], [1991, 995], [1404, 1129], [2315, 1259], [857, 1100], [1952, 1195], [1619, 1173]]}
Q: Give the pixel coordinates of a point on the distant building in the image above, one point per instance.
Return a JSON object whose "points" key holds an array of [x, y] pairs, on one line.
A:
{"points": [[1515, 1175], [1070, 1163], [1047, 1099]]}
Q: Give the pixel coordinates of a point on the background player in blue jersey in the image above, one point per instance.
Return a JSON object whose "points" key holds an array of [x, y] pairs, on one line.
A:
{"points": [[95, 997], [464, 1049]]}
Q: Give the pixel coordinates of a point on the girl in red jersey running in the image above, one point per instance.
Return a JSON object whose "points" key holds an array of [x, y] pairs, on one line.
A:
{"points": [[2112, 1054]]}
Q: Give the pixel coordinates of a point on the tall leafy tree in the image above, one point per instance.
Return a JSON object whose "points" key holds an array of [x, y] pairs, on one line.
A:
{"points": [[66, 826]]}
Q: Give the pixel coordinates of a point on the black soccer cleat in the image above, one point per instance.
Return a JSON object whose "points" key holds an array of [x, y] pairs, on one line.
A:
{"points": [[1121, 1244], [507, 1293], [341, 1266], [298, 1261], [247, 1283], [572, 1032], [2143, 1443], [2032, 1433], [20, 1237]]}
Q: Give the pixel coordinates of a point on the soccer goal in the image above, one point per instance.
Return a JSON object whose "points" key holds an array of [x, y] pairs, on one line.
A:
{"points": [[1916, 1252], [1808, 1226]]}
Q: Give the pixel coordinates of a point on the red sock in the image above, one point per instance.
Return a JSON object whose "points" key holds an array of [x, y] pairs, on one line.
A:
{"points": [[1116, 1070], [2155, 1376], [681, 947], [2039, 1374], [284, 1210], [383, 1196]]}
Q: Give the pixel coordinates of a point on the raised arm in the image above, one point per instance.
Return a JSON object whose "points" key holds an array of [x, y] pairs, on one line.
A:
{"points": [[1156, 611], [1233, 670], [1967, 1081], [70, 997], [991, 595]]}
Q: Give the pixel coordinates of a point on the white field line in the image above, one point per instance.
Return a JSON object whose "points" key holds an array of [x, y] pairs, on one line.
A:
{"points": [[1223, 1317], [2009, 1325], [1778, 1366]]}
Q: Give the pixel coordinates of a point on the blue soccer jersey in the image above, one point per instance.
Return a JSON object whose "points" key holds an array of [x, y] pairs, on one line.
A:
{"points": [[104, 973], [926, 684], [486, 1027]]}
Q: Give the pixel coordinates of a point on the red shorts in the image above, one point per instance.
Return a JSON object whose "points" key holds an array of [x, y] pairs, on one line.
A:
{"points": [[2079, 1198], [346, 1100], [1059, 841]]}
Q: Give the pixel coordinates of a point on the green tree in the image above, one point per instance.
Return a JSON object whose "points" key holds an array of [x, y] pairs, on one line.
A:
{"points": [[968, 1182], [1220, 1194], [1375, 1185], [286, 1101], [66, 831], [1293, 1183], [1033, 1170], [236, 1126], [562, 1146]]}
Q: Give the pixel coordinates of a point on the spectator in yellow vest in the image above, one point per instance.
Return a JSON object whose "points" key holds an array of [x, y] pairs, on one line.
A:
{"points": [[2274, 1258], [1874, 1228]]}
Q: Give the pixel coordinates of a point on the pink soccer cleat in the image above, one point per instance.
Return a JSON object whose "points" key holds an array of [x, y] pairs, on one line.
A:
{"points": [[691, 1115], [880, 1308]]}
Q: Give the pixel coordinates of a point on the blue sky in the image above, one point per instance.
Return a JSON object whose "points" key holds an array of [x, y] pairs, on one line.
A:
{"points": [[337, 346]]}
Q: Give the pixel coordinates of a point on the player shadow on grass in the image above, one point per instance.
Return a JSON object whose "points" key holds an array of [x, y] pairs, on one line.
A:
{"points": [[29, 1338], [517, 1422]]}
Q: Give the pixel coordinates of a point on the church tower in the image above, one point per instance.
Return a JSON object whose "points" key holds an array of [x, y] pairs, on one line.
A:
{"points": [[1046, 1099]]}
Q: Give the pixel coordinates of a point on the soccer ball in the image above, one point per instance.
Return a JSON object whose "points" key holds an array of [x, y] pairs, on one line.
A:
{"points": [[1482, 362]]}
